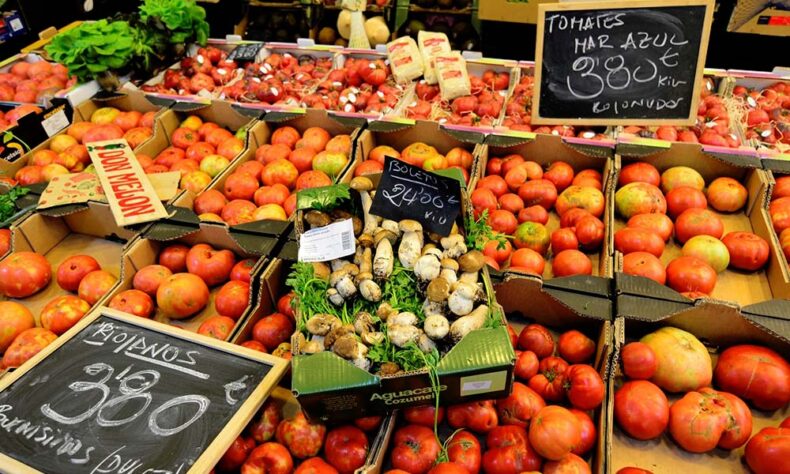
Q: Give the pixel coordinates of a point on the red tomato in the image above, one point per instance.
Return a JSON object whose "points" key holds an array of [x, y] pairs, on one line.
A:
{"points": [[698, 222], [368, 423], [496, 184], [554, 432], [559, 173], [232, 299], [588, 432], [572, 217], [538, 192], [73, 269], [494, 166], [464, 449], [513, 336], [346, 448], [174, 257], [585, 387], [423, 415], [480, 417], [727, 195], [526, 365], [448, 468], [570, 263], [23, 274], [235, 456], [502, 221], [641, 409], [315, 466], [685, 197], [755, 373], [748, 251], [520, 406], [575, 347], [633, 470], [511, 161], [302, 438], [538, 339], [150, 277], [527, 261], [564, 239], [511, 202], [768, 451], [285, 304], [255, 346], [265, 426], [569, 464], [483, 198], [782, 187], [661, 224], [415, 449], [499, 250], [589, 232], [645, 265], [211, 265], [535, 213], [242, 269], [508, 451], [639, 173], [699, 421], [268, 458], [273, 330], [639, 360], [634, 239], [690, 274], [218, 327]]}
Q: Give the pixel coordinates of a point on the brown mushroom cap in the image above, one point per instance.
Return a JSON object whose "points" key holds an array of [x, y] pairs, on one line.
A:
{"points": [[365, 240], [409, 225], [317, 218], [321, 270], [438, 290], [450, 264], [385, 234], [472, 261], [361, 183]]}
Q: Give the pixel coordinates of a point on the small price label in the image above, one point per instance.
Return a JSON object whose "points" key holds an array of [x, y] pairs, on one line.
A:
{"points": [[327, 243], [55, 122]]}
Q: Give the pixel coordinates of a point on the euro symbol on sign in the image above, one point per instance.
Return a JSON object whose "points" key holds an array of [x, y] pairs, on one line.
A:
{"points": [[234, 386]]}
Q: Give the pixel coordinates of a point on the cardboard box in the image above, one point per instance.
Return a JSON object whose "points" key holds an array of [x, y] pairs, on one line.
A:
{"points": [[89, 231], [583, 304], [732, 286], [546, 149], [30, 129], [757, 80], [778, 269], [641, 311], [515, 11], [144, 251], [759, 17]]}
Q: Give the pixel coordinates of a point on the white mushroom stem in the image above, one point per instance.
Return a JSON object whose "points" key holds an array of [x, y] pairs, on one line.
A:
{"points": [[337, 264], [450, 275], [401, 334], [426, 344], [411, 243], [472, 321], [436, 326], [335, 297], [468, 277], [462, 299], [370, 290], [432, 308], [370, 222], [384, 260], [405, 318], [427, 267], [453, 245]]}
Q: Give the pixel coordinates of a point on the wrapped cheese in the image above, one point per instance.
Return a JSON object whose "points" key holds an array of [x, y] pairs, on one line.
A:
{"points": [[405, 59], [431, 44], [452, 75]]}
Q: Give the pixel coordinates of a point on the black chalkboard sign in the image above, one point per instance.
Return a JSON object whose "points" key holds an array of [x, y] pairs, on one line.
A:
{"points": [[618, 63], [409, 192], [120, 391], [245, 52]]}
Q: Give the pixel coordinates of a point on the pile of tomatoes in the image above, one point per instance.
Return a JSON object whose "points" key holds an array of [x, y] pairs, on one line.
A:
{"points": [[712, 127], [779, 211], [31, 82], [481, 108], [360, 86], [278, 442], [9, 118], [207, 70], [543, 425], [519, 196], [702, 418], [24, 274], [198, 150], [768, 118], [649, 201], [264, 188], [281, 79], [417, 154]]}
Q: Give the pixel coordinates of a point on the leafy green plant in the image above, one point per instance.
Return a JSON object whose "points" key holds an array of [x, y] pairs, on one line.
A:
{"points": [[322, 198], [7, 200], [181, 21]]}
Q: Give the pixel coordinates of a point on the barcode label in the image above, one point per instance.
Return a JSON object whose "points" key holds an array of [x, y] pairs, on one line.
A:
{"points": [[327, 243]]}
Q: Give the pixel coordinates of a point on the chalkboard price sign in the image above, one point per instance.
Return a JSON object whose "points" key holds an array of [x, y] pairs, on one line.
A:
{"points": [[124, 394], [618, 63], [245, 52], [408, 192]]}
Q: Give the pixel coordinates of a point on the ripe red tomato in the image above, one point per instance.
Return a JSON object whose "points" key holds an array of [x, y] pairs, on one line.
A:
{"points": [[782, 187], [284, 304], [589, 232], [755, 373], [520, 406], [448, 468], [639, 172], [464, 449], [236, 454], [588, 432], [570, 263], [559, 173], [95, 285], [727, 195], [265, 426], [661, 224], [242, 269], [232, 299], [583, 197], [641, 409], [268, 458], [23, 274], [148, 278], [502, 221], [498, 250], [511, 202], [748, 251], [639, 360], [272, 330], [585, 387], [73, 269], [346, 448], [554, 432], [685, 197], [527, 365], [423, 415], [575, 347], [768, 451], [496, 184], [508, 451], [698, 421], [569, 464], [697, 222], [483, 198], [480, 417], [646, 265], [535, 213], [538, 339], [174, 257], [212, 265], [415, 449], [302, 438], [634, 239], [315, 466], [527, 261], [564, 239], [570, 218], [538, 192], [633, 470], [511, 161], [690, 274]]}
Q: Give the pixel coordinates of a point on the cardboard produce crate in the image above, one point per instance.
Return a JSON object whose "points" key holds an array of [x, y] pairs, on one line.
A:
{"points": [[546, 149], [771, 141], [642, 310], [580, 303], [731, 285], [144, 251]]}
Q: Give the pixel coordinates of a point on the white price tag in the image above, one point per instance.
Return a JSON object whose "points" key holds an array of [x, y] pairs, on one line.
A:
{"points": [[327, 243], [16, 24], [55, 123]]}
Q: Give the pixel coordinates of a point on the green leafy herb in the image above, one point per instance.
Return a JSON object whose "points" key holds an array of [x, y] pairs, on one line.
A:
{"points": [[322, 199], [400, 290], [478, 232], [181, 21], [7, 200], [310, 293]]}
